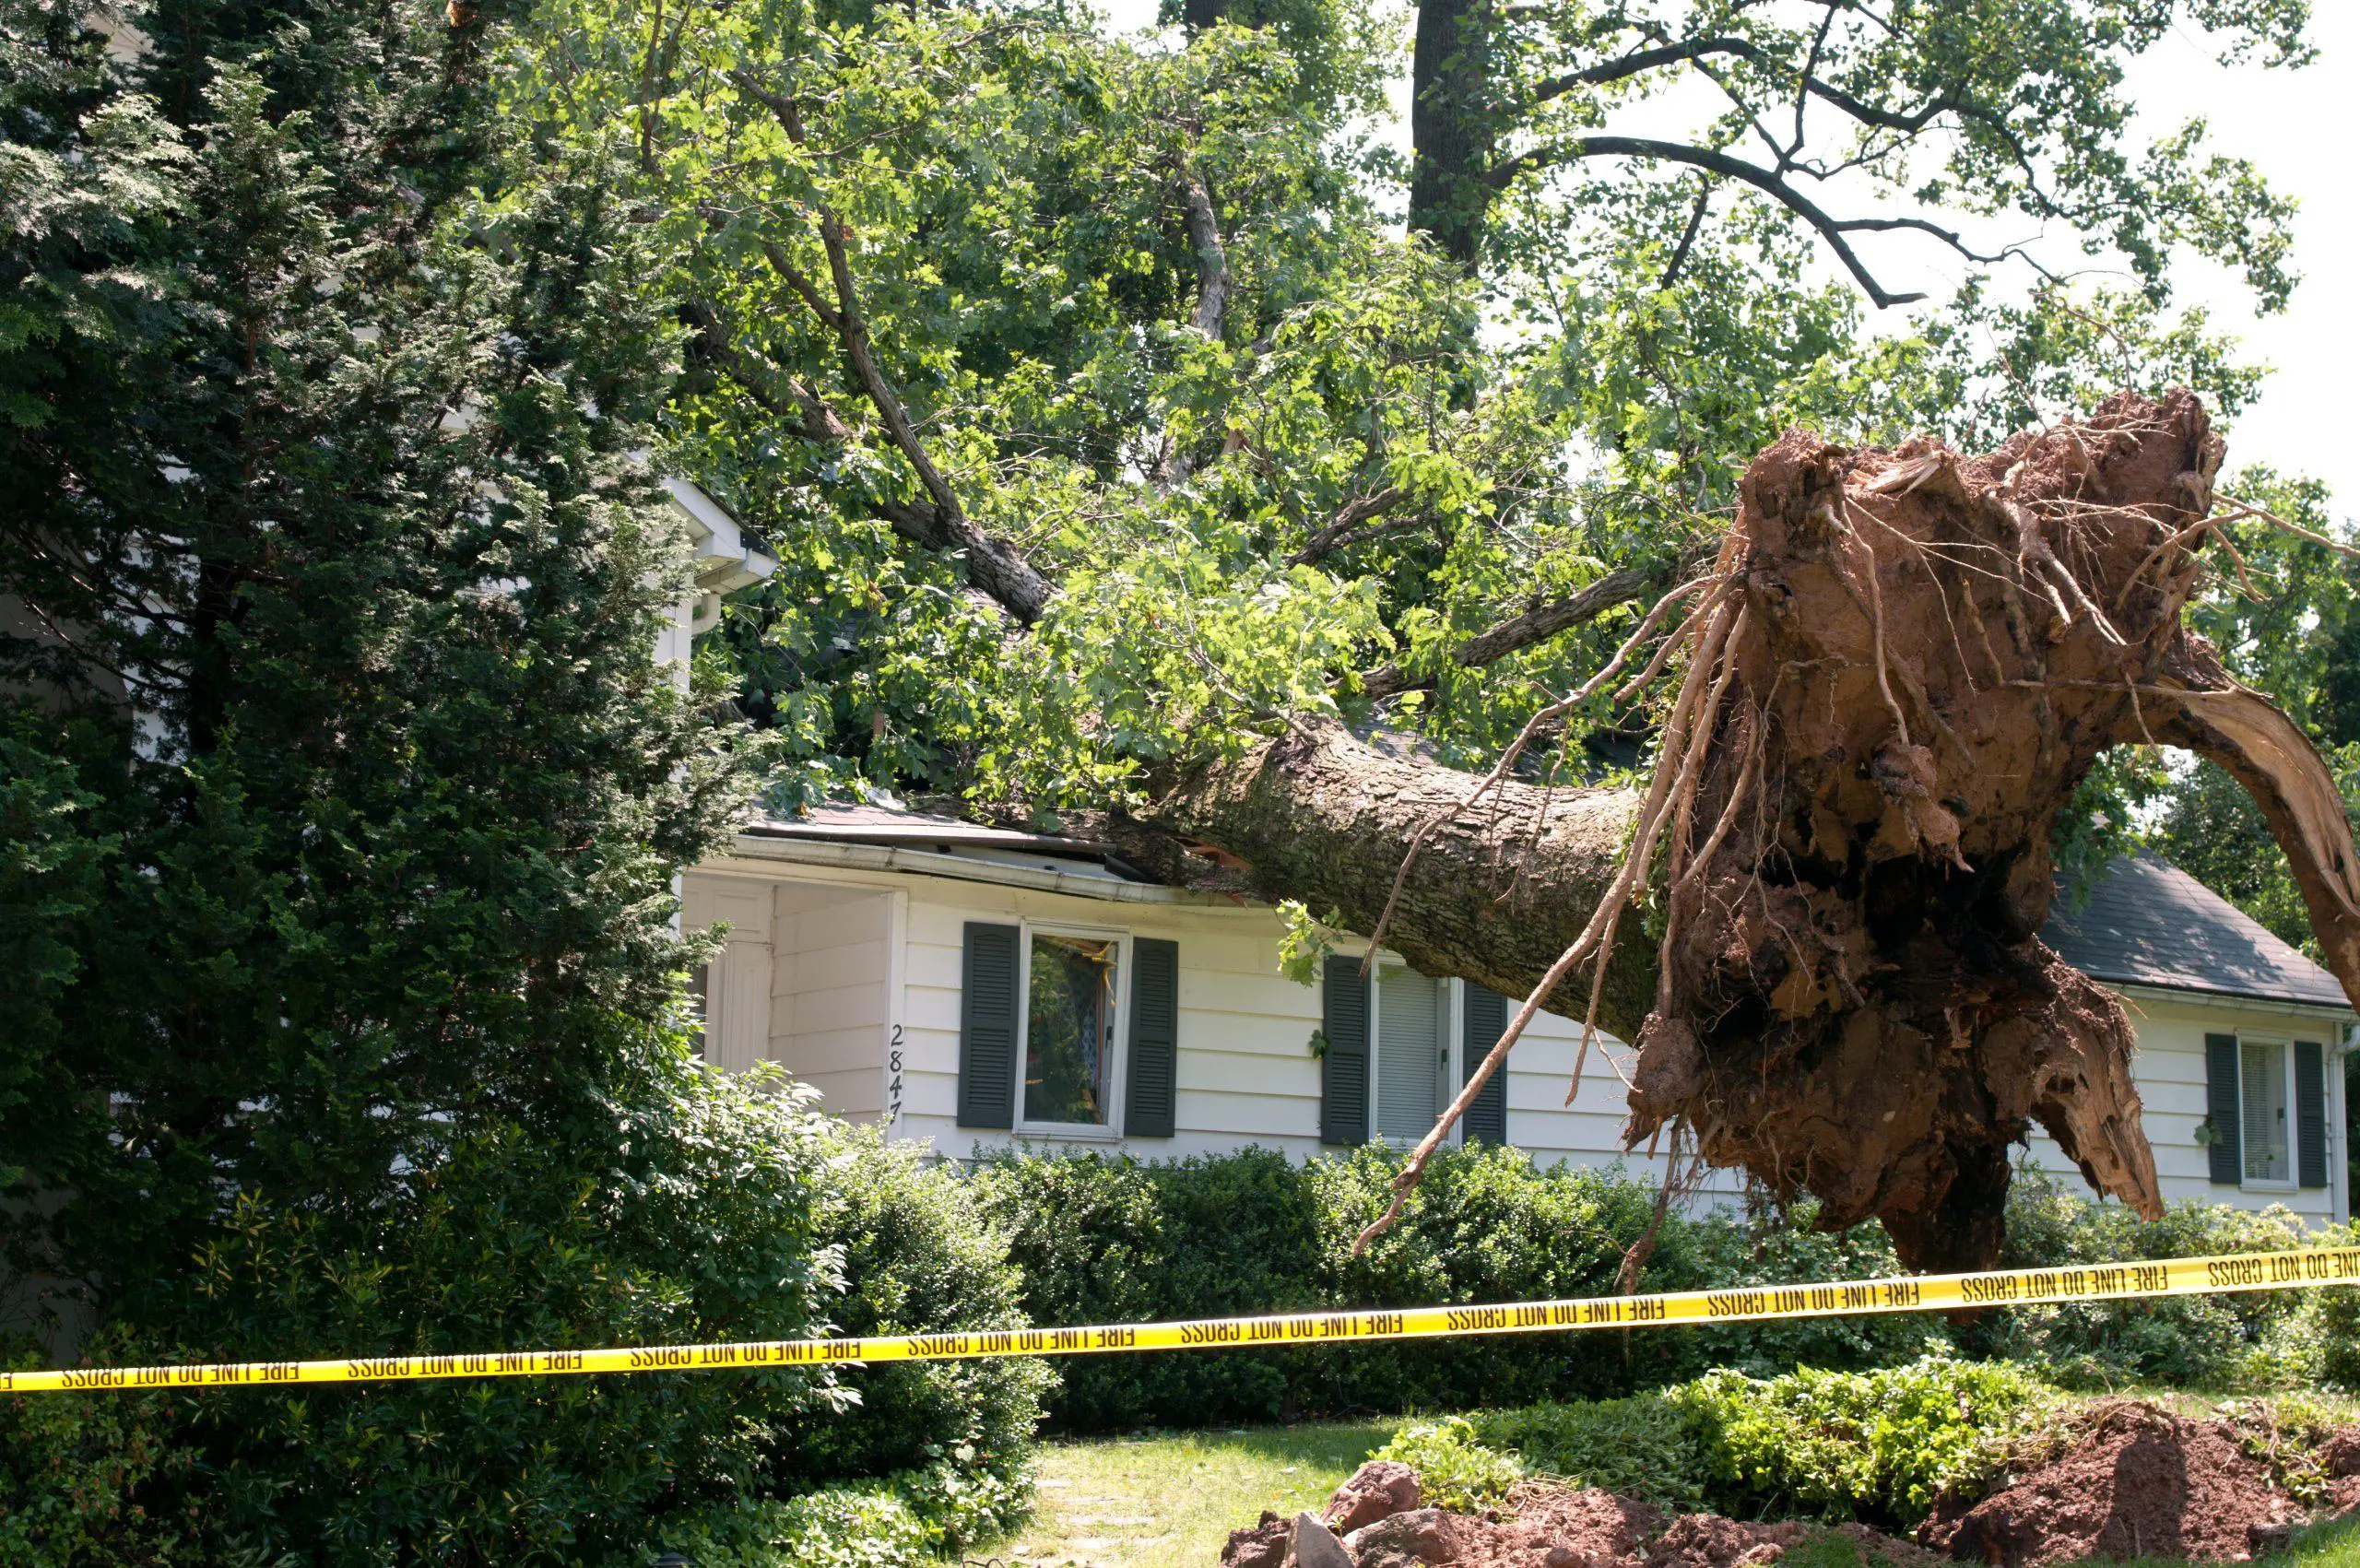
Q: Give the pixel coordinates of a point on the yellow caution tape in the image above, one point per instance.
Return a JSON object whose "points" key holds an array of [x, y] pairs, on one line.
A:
{"points": [[1930, 1293]]}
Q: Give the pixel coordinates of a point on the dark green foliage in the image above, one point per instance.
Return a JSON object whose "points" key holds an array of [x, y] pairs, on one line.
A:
{"points": [[1102, 1240], [918, 1256], [340, 799], [1117, 1241], [2254, 1341], [97, 1481], [696, 1220], [724, 1214]]}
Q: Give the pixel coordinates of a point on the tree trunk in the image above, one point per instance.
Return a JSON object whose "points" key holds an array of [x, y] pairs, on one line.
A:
{"points": [[1449, 138], [1914, 657]]}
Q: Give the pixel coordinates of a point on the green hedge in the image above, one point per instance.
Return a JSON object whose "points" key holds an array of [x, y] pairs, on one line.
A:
{"points": [[1102, 1240], [1117, 1240], [728, 1210], [2252, 1342]]}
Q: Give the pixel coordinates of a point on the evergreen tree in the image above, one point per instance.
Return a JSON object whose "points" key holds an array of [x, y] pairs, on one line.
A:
{"points": [[341, 798]]}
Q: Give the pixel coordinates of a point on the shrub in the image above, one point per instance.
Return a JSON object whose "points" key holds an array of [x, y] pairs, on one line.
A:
{"points": [[2250, 1341], [1765, 1246], [1644, 1446], [917, 1257], [695, 1217], [1112, 1240], [721, 1211], [2333, 1321], [1881, 1445], [1101, 1240], [1455, 1470], [1885, 1444], [98, 1479]]}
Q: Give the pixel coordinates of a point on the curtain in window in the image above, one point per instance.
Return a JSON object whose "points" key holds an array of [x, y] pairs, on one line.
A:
{"points": [[1069, 1033], [1409, 1045], [2264, 1122]]}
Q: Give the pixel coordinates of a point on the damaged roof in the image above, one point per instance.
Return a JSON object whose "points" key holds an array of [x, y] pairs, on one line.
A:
{"points": [[2148, 923], [889, 824]]}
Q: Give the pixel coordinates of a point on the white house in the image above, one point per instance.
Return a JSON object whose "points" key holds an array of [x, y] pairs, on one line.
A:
{"points": [[972, 987]]}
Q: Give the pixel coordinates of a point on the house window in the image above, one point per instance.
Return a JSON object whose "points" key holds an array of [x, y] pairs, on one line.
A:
{"points": [[1411, 1059], [1072, 997], [2265, 1074]]}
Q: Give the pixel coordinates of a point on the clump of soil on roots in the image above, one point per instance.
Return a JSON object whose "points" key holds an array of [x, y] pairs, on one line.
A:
{"points": [[2138, 1481]]}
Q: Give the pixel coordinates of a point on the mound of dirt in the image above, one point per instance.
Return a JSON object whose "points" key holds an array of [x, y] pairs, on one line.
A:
{"points": [[1548, 1526], [2138, 1482], [1551, 1526], [2142, 1483], [1707, 1540]]}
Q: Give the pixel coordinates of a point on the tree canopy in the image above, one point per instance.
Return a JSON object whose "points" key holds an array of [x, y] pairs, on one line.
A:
{"points": [[1103, 409]]}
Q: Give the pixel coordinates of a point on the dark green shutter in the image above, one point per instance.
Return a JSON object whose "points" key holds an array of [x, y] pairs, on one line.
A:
{"points": [[1343, 1071], [2220, 1106], [1486, 1019], [2310, 1113], [991, 992], [1155, 1037]]}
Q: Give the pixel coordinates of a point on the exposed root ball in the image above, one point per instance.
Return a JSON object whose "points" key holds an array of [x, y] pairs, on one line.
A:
{"points": [[1895, 674], [1934, 650]]}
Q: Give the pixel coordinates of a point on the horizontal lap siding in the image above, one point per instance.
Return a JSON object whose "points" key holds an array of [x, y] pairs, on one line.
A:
{"points": [[830, 1008], [1245, 1072], [2169, 1071], [738, 976], [801, 981], [1589, 1131]]}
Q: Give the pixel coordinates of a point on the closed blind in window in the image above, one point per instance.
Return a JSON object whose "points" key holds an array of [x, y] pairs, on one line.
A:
{"points": [[2264, 1118], [1409, 1051]]}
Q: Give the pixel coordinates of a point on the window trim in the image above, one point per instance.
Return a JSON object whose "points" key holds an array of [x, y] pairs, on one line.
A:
{"points": [[1454, 1032], [2285, 1047], [1117, 1072]]}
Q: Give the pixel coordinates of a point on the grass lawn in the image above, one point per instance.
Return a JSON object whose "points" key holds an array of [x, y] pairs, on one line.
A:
{"points": [[1168, 1500]]}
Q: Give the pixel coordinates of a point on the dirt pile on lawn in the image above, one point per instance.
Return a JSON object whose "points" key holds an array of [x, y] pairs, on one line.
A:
{"points": [[2137, 1481], [1542, 1526], [2141, 1482]]}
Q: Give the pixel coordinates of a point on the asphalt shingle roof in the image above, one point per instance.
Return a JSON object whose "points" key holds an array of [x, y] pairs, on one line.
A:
{"points": [[2148, 923]]}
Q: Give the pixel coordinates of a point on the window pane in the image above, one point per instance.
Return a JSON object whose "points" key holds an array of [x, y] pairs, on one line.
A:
{"points": [[1069, 1030], [2264, 1085], [1409, 1043]]}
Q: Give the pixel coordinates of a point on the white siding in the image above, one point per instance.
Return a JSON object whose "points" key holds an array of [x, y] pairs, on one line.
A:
{"points": [[738, 983], [860, 954], [2169, 1071], [805, 978], [831, 1002], [1247, 1074]]}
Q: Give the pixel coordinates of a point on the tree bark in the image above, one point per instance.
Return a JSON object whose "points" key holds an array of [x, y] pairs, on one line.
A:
{"points": [[1449, 134], [1919, 656]]}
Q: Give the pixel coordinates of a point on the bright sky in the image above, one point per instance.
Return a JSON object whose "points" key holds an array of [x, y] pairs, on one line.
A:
{"points": [[2302, 128]]}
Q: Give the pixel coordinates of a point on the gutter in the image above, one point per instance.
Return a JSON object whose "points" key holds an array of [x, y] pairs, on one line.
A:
{"points": [[2321, 1011], [958, 868]]}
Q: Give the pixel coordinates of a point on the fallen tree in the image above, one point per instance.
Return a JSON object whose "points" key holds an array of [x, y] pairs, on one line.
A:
{"points": [[1897, 670], [1106, 433]]}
